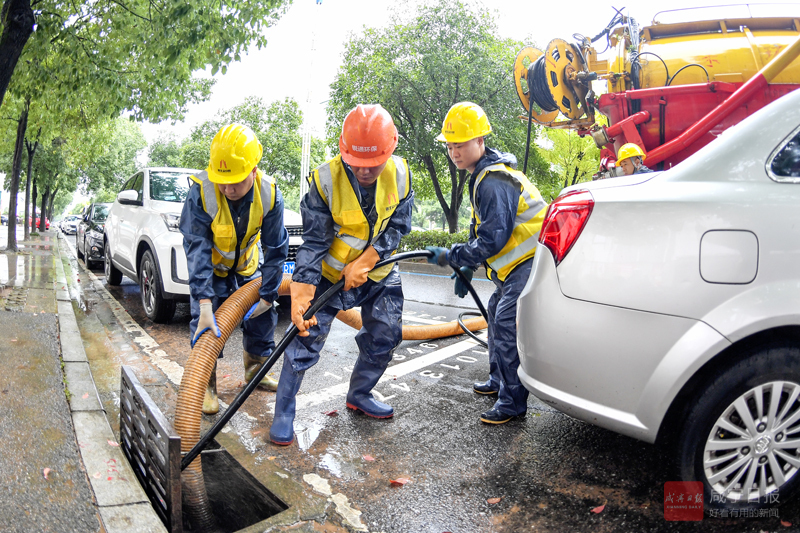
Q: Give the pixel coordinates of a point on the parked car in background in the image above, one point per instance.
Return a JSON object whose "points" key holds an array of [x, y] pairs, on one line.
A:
{"points": [[142, 240], [89, 239], [38, 220], [664, 306], [69, 225], [4, 220]]}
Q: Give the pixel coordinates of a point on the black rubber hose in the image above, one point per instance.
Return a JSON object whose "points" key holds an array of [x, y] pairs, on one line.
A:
{"points": [[284, 343], [527, 140], [466, 329]]}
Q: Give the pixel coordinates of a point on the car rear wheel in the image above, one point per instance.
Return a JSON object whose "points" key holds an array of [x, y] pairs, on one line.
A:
{"points": [[742, 436], [157, 308], [113, 276], [86, 259]]}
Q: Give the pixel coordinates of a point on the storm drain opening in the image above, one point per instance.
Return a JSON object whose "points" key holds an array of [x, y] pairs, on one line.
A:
{"points": [[236, 498]]}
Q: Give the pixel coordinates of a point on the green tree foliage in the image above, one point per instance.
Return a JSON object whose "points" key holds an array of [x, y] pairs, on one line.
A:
{"points": [[165, 151], [444, 53], [573, 158], [97, 59], [122, 141], [278, 127]]}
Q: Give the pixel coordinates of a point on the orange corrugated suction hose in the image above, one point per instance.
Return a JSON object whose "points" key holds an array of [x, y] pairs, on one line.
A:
{"points": [[352, 317], [188, 411]]}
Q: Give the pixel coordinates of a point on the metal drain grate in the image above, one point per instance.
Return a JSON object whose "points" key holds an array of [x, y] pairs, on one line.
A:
{"points": [[152, 448]]}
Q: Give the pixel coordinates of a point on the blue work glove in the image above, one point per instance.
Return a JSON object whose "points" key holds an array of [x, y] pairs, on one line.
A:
{"points": [[261, 306], [207, 321], [461, 289], [439, 256]]}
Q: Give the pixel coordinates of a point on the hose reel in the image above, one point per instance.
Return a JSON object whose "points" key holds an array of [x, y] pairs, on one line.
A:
{"points": [[557, 80]]}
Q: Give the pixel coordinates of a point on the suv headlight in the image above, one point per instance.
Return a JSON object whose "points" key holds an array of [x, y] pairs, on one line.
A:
{"points": [[171, 220]]}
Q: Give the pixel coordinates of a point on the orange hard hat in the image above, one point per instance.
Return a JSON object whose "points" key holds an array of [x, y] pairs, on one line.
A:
{"points": [[368, 137]]}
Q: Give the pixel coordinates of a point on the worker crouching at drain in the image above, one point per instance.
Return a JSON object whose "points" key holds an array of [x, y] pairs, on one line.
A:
{"points": [[507, 214], [357, 208], [232, 226]]}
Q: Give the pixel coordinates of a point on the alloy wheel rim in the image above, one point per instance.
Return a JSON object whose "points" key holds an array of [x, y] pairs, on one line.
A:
{"points": [[753, 448], [149, 297]]}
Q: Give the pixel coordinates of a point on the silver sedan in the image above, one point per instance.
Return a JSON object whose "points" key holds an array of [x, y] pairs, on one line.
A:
{"points": [[666, 306]]}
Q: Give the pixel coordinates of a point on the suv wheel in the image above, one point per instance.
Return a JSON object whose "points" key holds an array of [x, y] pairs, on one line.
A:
{"points": [[157, 308], [742, 436], [78, 250], [113, 276]]}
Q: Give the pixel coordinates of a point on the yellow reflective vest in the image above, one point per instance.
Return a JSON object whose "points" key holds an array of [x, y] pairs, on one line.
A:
{"points": [[531, 209], [353, 230], [223, 227]]}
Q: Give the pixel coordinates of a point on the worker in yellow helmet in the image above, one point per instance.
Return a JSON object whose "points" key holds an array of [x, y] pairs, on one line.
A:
{"points": [[630, 158], [507, 214], [355, 212], [233, 232]]}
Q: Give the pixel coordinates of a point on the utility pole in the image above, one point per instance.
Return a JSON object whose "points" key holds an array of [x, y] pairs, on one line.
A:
{"points": [[305, 153]]}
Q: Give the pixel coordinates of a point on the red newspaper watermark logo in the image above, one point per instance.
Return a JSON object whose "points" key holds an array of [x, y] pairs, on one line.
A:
{"points": [[683, 501]]}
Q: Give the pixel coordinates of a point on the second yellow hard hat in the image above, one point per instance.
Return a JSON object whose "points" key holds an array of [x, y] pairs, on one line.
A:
{"points": [[235, 152]]}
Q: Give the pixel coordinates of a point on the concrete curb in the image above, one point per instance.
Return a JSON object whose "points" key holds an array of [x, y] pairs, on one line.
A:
{"points": [[122, 503]]}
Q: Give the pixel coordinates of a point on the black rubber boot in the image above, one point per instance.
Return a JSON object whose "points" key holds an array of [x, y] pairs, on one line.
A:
{"points": [[365, 376], [282, 430]]}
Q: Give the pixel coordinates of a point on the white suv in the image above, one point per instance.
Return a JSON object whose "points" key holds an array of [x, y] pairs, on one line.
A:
{"points": [[142, 240]]}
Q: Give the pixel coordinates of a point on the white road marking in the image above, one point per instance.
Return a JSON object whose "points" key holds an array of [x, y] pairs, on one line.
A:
{"points": [[415, 365]]}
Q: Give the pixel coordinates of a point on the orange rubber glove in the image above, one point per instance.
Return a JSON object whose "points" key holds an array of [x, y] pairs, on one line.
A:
{"points": [[355, 272], [302, 294]]}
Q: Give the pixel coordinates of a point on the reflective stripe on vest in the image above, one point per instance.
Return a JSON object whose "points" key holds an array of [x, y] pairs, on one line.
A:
{"points": [[352, 230], [223, 227], [531, 209]]}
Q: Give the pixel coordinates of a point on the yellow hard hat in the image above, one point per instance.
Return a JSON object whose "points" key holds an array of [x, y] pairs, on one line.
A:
{"points": [[464, 121], [629, 150], [235, 152]]}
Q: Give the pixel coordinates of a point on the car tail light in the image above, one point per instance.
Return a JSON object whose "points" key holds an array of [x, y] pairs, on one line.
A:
{"points": [[564, 221]]}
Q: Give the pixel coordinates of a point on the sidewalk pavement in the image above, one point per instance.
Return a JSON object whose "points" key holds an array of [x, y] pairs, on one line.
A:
{"points": [[61, 468]]}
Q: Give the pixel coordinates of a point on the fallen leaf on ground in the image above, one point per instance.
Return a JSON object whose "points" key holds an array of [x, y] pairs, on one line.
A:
{"points": [[399, 482], [256, 432], [47, 471], [85, 395], [784, 523], [226, 376], [367, 457], [271, 457], [13, 340], [112, 443], [335, 412], [96, 475], [599, 509], [492, 501]]}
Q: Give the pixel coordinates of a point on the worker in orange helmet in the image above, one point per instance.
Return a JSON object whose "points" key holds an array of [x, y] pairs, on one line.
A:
{"points": [[358, 206], [630, 159]]}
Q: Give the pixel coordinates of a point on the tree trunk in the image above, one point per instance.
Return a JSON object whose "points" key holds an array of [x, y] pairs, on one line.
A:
{"points": [[458, 179], [16, 168], [32, 225], [51, 201], [43, 210], [31, 151], [17, 21]]}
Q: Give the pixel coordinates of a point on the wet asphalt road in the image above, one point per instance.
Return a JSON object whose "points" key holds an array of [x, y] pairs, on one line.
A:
{"points": [[548, 470]]}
